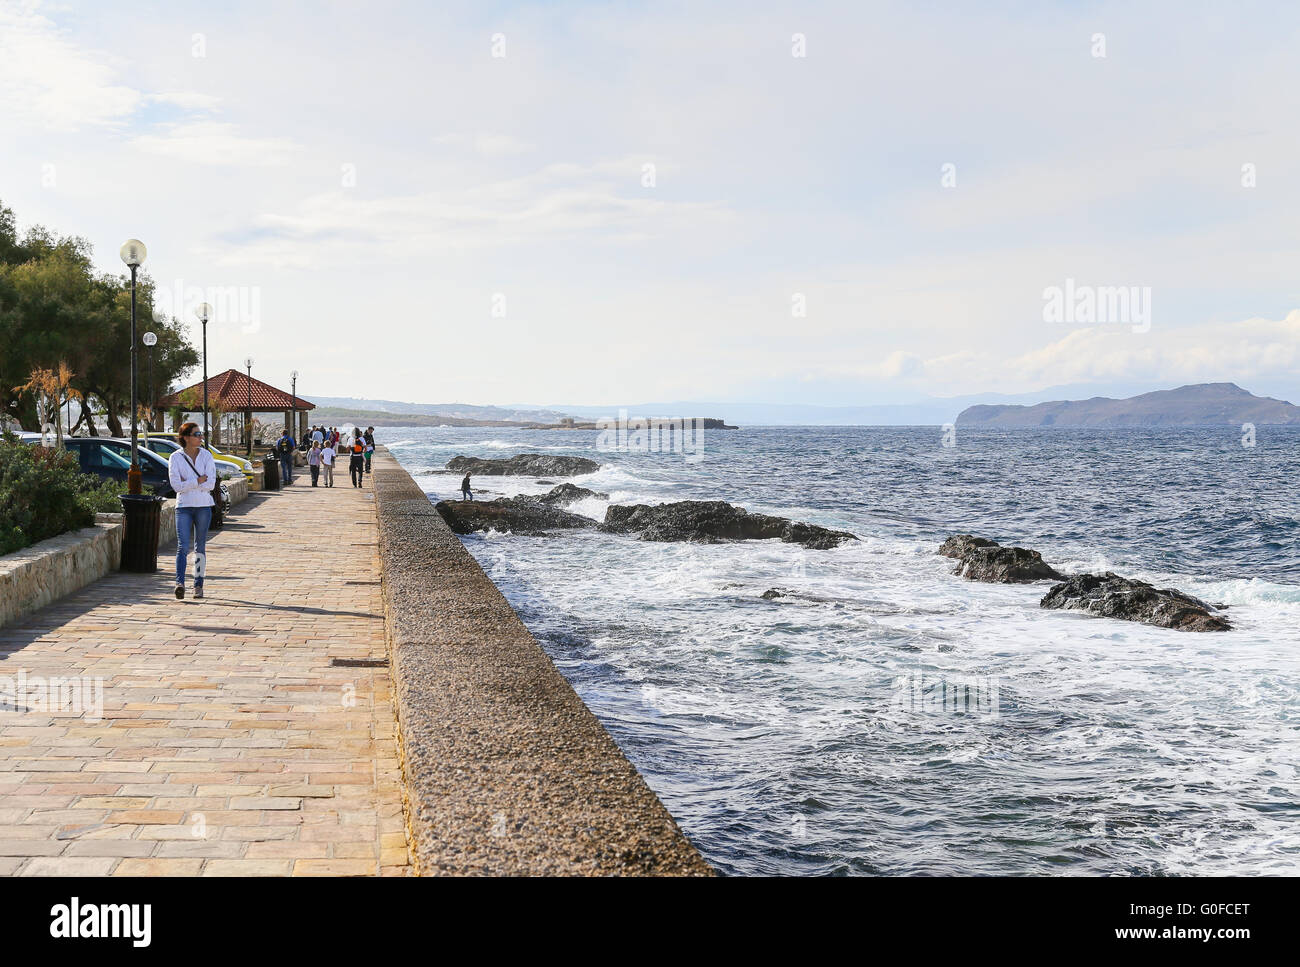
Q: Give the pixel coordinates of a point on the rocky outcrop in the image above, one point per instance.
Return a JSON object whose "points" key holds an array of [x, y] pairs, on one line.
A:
{"points": [[714, 521], [961, 544], [528, 516], [1111, 596], [524, 465], [984, 560], [566, 494]]}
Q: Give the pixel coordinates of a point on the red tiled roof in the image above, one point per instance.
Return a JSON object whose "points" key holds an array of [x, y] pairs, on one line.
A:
{"points": [[230, 391]]}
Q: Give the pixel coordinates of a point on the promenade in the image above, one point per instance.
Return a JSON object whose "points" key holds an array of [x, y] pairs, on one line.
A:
{"points": [[249, 733]]}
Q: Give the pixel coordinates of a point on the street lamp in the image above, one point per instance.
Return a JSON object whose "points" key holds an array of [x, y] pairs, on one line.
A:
{"points": [[133, 254], [293, 406], [248, 417], [204, 312], [150, 340]]}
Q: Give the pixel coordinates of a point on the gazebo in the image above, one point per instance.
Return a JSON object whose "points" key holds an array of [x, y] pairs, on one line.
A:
{"points": [[233, 392]]}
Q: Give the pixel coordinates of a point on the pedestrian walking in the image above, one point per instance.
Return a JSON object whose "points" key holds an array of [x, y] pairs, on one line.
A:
{"points": [[313, 461], [190, 471], [327, 464], [465, 492], [285, 447], [357, 464], [317, 435], [370, 445]]}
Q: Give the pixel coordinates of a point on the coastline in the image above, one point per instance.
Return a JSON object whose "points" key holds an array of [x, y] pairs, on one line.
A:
{"points": [[506, 770]]}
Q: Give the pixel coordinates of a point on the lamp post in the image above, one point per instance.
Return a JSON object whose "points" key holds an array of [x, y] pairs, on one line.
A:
{"points": [[133, 254], [150, 340], [204, 311], [248, 417], [293, 406]]}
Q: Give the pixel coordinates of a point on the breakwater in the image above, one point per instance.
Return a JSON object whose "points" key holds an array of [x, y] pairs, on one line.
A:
{"points": [[505, 770]]}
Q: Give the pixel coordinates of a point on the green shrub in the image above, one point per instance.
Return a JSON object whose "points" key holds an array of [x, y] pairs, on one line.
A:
{"points": [[101, 496], [43, 493]]}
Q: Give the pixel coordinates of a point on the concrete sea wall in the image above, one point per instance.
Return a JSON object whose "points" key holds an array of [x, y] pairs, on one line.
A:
{"points": [[506, 771]]}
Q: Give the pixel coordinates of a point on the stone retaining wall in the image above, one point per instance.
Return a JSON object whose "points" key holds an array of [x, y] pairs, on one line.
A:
{"points": [[36, 575], [506, 771]]}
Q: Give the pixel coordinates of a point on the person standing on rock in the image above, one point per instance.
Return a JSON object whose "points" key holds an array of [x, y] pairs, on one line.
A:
{"points": [[190, 471], [357, 464], [327, 463], [465, 492], [313, 461]]}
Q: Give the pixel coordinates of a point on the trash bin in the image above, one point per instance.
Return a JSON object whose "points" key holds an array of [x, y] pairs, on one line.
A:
{"points": [[142, 512], [218, 515], [270, 472]]}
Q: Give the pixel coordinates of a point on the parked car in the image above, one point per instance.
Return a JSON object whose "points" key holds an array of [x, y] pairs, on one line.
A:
{"points": [[165, 446], [239, 462], [110, 458]]}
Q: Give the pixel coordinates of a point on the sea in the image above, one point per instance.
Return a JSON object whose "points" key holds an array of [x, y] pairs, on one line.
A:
{"points": [[882, 716]]}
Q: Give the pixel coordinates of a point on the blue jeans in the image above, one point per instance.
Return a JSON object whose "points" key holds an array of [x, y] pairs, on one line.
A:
{"points": [[195, 520], [286, 468]]}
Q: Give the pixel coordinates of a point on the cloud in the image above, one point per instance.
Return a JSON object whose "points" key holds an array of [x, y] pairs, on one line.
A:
{"points": [[556, 202], [1244, 351], [216, 143], [49, 82], [186, 100], [487, 145]]}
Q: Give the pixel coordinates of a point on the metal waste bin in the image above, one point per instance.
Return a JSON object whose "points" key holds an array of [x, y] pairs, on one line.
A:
{"points": [[270, 472], [143, 513], [218, 515]]}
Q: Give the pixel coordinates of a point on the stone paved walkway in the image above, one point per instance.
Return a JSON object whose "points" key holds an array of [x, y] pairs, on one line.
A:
{"points": [[230, 743]]}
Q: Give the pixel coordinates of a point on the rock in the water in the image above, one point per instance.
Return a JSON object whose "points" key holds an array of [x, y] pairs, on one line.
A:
{"points": [[567, 493], [712, 521], [518, 515], [984, 560], [524, 465], [960, 544], [1006, 565], [772, 594], [1111, 596]]}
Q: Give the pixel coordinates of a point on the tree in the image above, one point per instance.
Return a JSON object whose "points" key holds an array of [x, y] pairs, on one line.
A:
{"points": [[51, 389], [54, 307]]}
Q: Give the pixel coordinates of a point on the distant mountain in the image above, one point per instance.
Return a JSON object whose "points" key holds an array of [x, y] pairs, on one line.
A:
{"points": [[1205, 404], [450, 411]]}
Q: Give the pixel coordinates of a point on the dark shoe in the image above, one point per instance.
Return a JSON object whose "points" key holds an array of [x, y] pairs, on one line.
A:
{"points": [[198, 590], [180, 592]]}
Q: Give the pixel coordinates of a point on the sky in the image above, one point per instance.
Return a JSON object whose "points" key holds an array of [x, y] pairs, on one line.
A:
{"points": [[613, 203]]}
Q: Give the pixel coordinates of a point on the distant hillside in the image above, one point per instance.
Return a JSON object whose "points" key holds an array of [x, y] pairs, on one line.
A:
{"points": [[338, 415], [449, 412], [1205, 404]]}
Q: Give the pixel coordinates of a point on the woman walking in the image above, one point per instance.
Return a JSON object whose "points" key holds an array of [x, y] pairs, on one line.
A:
{"points": [[357, 465], [313, 461], [327, 463], [370, 445], [191, 470]]}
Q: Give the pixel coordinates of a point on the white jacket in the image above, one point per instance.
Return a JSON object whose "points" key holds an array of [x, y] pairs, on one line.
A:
{"points": [[189, 492]]}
